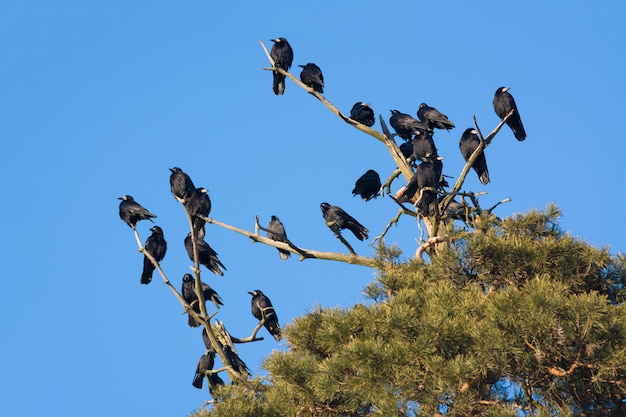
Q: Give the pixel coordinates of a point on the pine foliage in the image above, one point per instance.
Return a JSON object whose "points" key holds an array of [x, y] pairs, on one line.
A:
{"points": [[513, 317]]}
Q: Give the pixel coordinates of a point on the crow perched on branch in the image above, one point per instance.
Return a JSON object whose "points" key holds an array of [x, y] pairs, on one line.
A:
{"points": [[181, 185], [205, 363], [503, 103], [433, 118], [423, 146], [405, 125], [362, 113], [188, 292], [207, 256], [132, 212], [277, 233], [198, 204], [155, 246], [311, 76], [427, 179], [282, 54], [262, 309], [337, 219], [367, 185], [468, 144], [235, 361]]}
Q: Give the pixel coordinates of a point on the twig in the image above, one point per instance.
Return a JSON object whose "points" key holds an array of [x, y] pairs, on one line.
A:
{"points": [[393, 221], [252, 337], [345, 242], [387, 185]]}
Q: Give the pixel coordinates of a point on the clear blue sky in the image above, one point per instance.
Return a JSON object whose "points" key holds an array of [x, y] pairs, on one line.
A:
{"points": [[99, 99]]}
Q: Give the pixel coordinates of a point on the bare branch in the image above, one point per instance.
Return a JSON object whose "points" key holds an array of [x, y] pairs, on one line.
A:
{"points": [[387, 140], [468, 165], [305, 253], [252, 337], [394, 221], [430, 242]]}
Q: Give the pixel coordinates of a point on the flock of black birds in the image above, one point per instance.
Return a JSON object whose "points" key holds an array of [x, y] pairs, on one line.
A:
{"points": [[419, 145], [198, 206], [428, 180]]}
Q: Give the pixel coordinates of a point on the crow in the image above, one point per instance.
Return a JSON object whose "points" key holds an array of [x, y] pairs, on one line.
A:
{"points": [[235, 361], [205, 363], [433, 118], [423, 146], [503, 103], [198, 204], [207, 256], [468, 144], [427, 179], [362, 113], [282, 54], [367, 185], [311, 76], [155, 246], [337, 219], [405, 125], [455, 210], [407, 149], [277, 232], [214, 382], [262, 309], [132, 212], [181, 185], [190, 296]]}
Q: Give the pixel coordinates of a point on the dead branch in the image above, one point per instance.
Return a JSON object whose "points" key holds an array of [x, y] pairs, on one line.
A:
{"points": [[305, 253]]}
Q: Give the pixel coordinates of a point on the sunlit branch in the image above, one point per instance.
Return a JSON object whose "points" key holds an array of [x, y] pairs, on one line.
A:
{"points": [[387, 140], [305, 253]]}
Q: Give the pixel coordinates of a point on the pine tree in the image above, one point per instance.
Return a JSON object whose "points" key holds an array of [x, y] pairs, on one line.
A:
{"points": [[503, 317], [514, 317]]}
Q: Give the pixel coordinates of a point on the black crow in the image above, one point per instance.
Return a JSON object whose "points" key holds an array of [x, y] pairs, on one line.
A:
{"points": [[455, 210], [206, 340], [367, 185], [311, 76], [407, 149], [282, 54], [235, 362], [277, 233], [180, 184], [214, 382], [132, 212], [433, 118], [188, 292], [503, 103], [427, 179], [198, 204], [423, 146], [155, 246], [362, 113], [262, 309], [337, 219], [205, 363], [468, 144], [207, 256], [405, 125]]}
